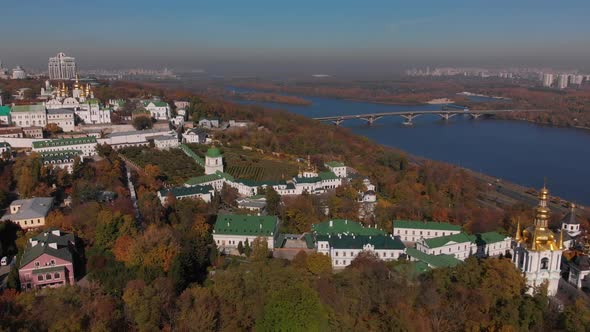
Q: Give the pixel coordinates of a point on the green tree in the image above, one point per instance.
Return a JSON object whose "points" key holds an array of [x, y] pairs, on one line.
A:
{"points": [[240, 248], [293, 308], [247, 248], [141, 122], [273, 201], [260, 249]]}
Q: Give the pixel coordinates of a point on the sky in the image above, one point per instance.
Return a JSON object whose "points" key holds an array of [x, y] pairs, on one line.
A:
{"points": [[314, 35]]}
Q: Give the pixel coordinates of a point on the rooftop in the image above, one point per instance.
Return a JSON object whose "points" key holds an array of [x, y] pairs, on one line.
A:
{"points": [[233, 224], [346, 227], [42, 246], [60, 111], [444, 240], [489, 238], [433, 260], [32, 208], [441, 226], [186, 191], [64, 142], [334, 164], [28, 108], [213, 152], [4, 110], [379, 242]]}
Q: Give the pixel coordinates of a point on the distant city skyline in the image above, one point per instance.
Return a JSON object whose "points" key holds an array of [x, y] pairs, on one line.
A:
{"points": [[267, 35]]}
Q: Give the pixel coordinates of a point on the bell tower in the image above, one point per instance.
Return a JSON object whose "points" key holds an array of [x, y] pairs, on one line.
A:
{"points": [[537, 249]]}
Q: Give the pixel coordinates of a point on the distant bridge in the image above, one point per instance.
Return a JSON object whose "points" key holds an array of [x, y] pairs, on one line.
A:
{"points": [[410, 115]]}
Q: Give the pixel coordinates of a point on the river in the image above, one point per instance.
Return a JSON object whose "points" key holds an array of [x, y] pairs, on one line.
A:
{"points": [[520, 152]]}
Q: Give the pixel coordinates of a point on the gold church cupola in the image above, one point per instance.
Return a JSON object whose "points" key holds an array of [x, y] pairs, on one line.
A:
{"points": [[539, 237]]}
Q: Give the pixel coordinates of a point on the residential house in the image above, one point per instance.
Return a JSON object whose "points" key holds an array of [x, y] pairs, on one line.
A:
{"points": [[11, 132], [33, 132], [29, 213], [209, 123], [230, 230], [195, 135], [412, 231], [48, 261], [255, 203]]}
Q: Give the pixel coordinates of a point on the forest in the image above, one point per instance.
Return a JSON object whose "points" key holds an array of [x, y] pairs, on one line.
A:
{"points": [[164, 272]]}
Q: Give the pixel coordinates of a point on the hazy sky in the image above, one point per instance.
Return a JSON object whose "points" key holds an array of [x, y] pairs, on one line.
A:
{"points": [[316, 34]]}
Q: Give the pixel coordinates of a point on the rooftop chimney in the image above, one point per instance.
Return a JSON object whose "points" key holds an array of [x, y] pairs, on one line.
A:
{"points": [[331, 223]]}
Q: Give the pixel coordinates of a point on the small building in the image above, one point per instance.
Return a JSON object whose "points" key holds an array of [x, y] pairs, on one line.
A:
{"points": [[230, 230], [166, 142], [337, 167], [412, 231], [63, 118], [239, 123], [195, 192], [570, 223], [33, 132], [458, 245], [60, 159], [29, 213], [195, 135], [85, 144], [343, 249], [209, 123], [48, 261], [182, 104]]}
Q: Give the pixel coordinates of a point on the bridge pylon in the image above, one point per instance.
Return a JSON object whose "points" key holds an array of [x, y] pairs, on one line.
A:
{"points": [[475, 116], [371, 119], [338, 121], [447, 115], [409, 117]]}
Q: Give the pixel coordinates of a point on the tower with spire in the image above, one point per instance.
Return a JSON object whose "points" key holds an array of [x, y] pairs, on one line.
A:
{"points": [[537, 249]]}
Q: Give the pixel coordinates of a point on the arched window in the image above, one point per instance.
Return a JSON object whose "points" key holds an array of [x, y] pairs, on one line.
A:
{"points": [[545, 263], [56, 275]]}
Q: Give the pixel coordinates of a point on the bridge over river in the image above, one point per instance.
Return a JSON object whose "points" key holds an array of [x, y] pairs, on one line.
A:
{"points": [[410, 115]]}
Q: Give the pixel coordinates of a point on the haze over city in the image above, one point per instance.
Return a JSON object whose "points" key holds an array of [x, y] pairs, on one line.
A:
{"points": [[266, 36]]}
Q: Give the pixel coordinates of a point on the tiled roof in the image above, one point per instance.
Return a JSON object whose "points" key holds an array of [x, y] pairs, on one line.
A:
{"points": [[64, 142], [42, 247], [342, 226], [443, 240], [245, 225], [380, 242], [441, 226], [433, 260]]}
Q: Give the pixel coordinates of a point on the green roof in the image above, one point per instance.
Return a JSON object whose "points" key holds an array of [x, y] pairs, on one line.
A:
{"points": [[327, 176], [202, 179], [60, 155], [157, 103], [192, 154], [4, 110], [433, 260], [443, 240], [334, 164], [233, 224], [441, 226], [490, 237], [28, 108], [313, 179], [186, 191], [359, 241], [64, 142], [342, 226], [92, 101], [4, 144], [213, 152]]}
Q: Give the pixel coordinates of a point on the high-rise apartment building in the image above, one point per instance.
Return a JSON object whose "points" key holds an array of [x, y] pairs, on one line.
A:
{"points": [[547, 79], [562, 81], [62, 67]]}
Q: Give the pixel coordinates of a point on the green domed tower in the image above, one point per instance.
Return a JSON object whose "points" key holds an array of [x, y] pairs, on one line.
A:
{"points": [[213, 161]]}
